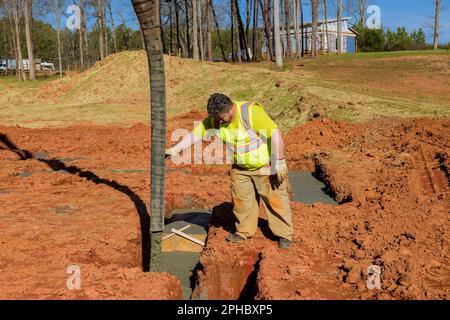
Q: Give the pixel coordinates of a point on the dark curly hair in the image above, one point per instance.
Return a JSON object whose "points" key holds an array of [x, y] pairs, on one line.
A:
{"points": [[218, 103]]}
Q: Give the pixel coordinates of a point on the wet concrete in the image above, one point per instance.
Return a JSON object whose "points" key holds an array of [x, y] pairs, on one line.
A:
{"points": [[179, 263], [182, 265], [306, 188]]}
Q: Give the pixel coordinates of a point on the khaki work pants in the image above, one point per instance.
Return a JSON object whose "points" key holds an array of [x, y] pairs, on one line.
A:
{"points": [[247, 187]]}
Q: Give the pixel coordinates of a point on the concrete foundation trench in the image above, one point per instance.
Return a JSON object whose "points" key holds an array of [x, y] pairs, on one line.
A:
{"points": [[181, 253], [181, 256]]}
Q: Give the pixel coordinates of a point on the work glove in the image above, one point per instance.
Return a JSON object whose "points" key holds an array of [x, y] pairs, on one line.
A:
{"points": [[281, 170], [170, 153]]}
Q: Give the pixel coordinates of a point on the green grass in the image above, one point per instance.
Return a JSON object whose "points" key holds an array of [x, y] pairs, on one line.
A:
{"points": [[339, 87]]}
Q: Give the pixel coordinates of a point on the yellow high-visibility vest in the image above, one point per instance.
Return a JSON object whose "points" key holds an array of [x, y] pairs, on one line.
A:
{"points": [[249, 148]]}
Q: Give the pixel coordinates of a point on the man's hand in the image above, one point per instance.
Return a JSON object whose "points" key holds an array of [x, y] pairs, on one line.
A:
{"points": [[281, 169], [170, 153]]}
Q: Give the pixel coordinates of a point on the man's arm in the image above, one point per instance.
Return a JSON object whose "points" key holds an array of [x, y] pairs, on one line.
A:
{"points": [[278, 145], [189, 139], [186, 142]]}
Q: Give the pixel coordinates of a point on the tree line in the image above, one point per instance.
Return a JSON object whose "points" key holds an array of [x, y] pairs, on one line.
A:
{"points": [[230, 30]]}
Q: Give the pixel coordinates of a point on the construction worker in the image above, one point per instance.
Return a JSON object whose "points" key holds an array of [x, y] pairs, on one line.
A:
{"points": [[259, 169]]}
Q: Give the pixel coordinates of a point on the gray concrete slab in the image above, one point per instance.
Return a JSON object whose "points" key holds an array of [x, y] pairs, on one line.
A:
{"points": [[182, 265], [308, 189]]}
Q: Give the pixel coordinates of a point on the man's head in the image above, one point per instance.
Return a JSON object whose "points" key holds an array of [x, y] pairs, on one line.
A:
{"points": [[220, 107]]}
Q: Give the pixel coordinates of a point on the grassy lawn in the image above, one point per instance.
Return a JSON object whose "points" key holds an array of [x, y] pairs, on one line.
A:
{"points": [[352, 87]]}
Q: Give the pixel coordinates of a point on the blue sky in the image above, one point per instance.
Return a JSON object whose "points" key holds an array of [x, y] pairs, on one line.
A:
{"points": [[413, 14]]}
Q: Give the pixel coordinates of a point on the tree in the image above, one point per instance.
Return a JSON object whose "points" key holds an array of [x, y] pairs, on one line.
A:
{"points": [[56, 6], [436, 25], [188, 38], [28, 31], [267, 26], [287, 8], [254, 30], [420, 39], [113, 26], [339, 26], [19, 64], [195, 29], [276, 33], [362, 8], [315, 14], [148, 16], [327, 33], [236, 30], [218, 33], [80, 35], [296, 29], [370, 40], [100, 29]]}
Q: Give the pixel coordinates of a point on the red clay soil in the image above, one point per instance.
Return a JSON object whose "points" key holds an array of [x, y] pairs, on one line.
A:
{"points": [[77, 205], [390, 175], [391, 178]]}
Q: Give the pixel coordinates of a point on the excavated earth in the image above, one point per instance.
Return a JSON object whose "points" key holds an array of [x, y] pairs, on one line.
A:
{"points": [[79, 195]]}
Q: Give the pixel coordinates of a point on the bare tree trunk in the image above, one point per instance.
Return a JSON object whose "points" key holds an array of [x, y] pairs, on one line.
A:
{"points": [[233, 58], [327, 32], [288, 27], [236, 25], [13, 33], [436, 25], [296, 30], [218, 32], [302, 28], [84, 28], [314, 12], [80, 36], [105, 29], [199, 13], [113, 26], [276, 33], [339, 26], [28, 31], [170, 29], [282, 27], [100, 29], [254, 31], [208, 31], [177, 18], [148, 14], [188, 38], [267, 26], [242, 37], [248, 7], [362, 7], [195, 29], [58, 34], [19, 63]]}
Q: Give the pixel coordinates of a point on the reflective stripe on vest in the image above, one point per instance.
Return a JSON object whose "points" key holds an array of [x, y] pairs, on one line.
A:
{"points": [[255, 142]]}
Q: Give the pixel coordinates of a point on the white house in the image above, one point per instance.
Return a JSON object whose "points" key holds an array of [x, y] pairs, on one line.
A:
{"points": [[10, 64], [348, 37]]}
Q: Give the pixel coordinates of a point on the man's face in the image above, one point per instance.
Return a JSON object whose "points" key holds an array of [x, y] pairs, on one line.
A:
{"points": [[226, 117]]}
